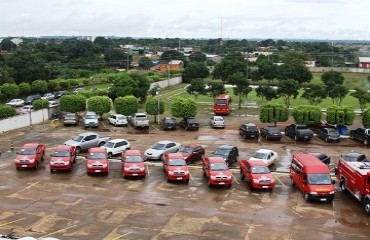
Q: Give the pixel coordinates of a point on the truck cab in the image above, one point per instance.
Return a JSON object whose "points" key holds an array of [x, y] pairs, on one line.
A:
{"points": [[97, 161], [133, 164], [257, 174], [175, 167], [30, 156], [217, 172], [62, 158], [312, 177]]}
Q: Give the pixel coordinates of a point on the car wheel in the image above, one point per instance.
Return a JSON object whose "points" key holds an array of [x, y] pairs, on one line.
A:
{"points": [[306, 197], [101, 144], [266, 137], [367, 206], [228, 186], [78, 150], [351, 136], [295, 138], [242, 176], [326, 139], [37, 165], [110, 155], [209, 184], [342, 185], [251, 187], [366, 142], [187, 181]]}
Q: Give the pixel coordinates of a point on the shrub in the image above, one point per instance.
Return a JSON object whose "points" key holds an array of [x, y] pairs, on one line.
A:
{"points": [[40, 104], [7, 111]]}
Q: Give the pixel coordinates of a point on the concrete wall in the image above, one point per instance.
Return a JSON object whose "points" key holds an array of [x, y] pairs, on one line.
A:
{"points": [[24, 120], [339, 69], [166, 83]]}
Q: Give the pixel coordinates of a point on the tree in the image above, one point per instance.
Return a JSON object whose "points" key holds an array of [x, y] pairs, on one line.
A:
{"points": [[10, 90], [173, 55], [24, 88], [216, 89], [366, 118], [7, 111], [6, 74], [337, 93], [195, 70], [288, 89], [267, 70], [266, 92], [52, 85], [307, 114], [145, 63], [127, 105], [116, 58], [8, 45], [151, 107], [39, 86], [123, 85], [314, 93], [363, 98], [40, 104], [296, 57], [340, 115], [334, 86], [197, 57], [294, 70], [142, 85], [99, 104], [273, 113], [154, 90], [73, 103], [255, 75], [242, 86], [196, 87], [228, 67], [183, 107]]}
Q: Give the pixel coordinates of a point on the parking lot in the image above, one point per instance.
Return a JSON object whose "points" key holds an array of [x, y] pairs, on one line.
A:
{"points": [[77, 206]]}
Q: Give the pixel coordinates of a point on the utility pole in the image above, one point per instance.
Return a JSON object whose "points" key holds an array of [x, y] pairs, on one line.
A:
{"points": [[221, 43]]}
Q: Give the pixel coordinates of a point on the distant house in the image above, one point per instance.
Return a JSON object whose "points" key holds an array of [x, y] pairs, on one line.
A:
{"points": [[170, 65], [364, 62]]}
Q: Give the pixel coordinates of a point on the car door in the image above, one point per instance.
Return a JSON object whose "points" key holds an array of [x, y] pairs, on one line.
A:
{"points": [[91, 141], [170, 148]]}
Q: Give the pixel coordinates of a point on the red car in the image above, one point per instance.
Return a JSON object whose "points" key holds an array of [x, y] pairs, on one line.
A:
{"points": [[63, 158], [257, 173], [217, 172], [133, 164], [97, 161], [30, 156], [175, 167], [192, 152]]}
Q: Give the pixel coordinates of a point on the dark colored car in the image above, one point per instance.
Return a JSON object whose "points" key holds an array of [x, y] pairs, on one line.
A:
{"points": [[271, 133], [168, 123], [329, 135], [60, 94], [322, 156], [30, 99], [354, 157], [228, 152], [192, 152], [316, 127], [249, 130], [189, 124], [71, 119]]}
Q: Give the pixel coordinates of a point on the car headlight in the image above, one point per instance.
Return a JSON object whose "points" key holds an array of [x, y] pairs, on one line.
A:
{"points": [[89, 165], [32, 160], [256, 181], [17, 160], [332, 192], [213, 177], [142, 168], [66, 163], [170, 172], [313, 193], [186, 172]]}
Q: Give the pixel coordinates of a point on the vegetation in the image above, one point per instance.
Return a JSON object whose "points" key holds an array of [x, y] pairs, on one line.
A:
{"points": [[73, 103], [307, 114], [127, 105], [183, 107], [99, 104], [6, 111], [151, 107], [40, 104], [340, 115], [273, 113]]}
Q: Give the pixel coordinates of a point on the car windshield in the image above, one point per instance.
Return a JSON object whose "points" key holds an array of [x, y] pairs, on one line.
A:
{"points": [[70, 116], [109, 145], [221, 102], [96, 156], [222, 151], [302, 127], [61, 154], [134, 159], [158, 146], [90, 116], [259, 155], [218, 166], [273, 130], [191, 120], [218, 119], [186, 149], [78, 138], [332, 130], [260, 170], [28, 151], [177, 162], [121, 117], [319, 178], [169, 120]]}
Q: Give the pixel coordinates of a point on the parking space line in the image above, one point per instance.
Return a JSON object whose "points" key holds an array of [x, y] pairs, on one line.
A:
{"points": [[121, 236], [237, 182], [29, 186], [155, 128], [58, 231], [277, 178], [12, 222]]}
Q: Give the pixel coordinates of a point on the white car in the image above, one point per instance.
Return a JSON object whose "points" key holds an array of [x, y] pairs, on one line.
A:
{"points": [[265, 155], [118, 120], [116, 146], [53, 104], [217, 122], [159, 148], [48, 96], [26, 109], [15, 102]]}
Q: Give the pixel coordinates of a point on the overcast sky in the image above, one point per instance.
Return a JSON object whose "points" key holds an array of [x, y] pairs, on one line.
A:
{"points": [[277, 19]]}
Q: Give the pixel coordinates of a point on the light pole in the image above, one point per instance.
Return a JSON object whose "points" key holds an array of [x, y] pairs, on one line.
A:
{"points": [[158, 94]]}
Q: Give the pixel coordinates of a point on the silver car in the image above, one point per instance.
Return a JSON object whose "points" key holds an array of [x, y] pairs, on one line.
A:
{"points": [[217, 122]]}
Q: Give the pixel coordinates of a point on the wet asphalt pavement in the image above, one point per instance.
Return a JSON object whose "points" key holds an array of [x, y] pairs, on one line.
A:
{"points": [[77, 206]]}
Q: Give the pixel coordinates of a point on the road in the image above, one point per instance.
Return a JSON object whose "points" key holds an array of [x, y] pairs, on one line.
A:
{"points": [[76, 206]]}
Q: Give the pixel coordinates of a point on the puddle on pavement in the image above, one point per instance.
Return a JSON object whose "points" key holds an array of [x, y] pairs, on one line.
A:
{"points": [[206, 138], [284, 163]]}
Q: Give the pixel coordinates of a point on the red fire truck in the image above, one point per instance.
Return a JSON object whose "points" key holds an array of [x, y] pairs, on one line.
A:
{"points": [[355, 177], [222, 105]]}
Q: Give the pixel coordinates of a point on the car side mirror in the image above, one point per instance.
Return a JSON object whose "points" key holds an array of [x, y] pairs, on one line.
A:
{"points": [[304, 182], [333, 181], [84, 140]]}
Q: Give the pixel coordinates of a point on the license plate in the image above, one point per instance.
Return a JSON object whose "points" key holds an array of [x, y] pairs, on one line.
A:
{"points": [[134, 174], [24, 165], [221, 183], [252, 135], [322, 199], [97, 170], [265, 186], [179, 178]]}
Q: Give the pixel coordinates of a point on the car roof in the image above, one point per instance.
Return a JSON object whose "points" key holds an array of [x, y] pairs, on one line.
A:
{"points": [[117, 140], [192, 145], [165, 142], [353, 154], [97, 149], [132, 152], [226, 146], [216, 160], [62, 147], [30, 145], [175, 155], [254, 163], [263, 150], [87, 133], [90, 113], [250, 125]]}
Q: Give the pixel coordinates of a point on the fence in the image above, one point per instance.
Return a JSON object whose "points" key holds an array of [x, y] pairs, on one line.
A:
{"points": [[167, 83], [24, 120], [340, 69]]}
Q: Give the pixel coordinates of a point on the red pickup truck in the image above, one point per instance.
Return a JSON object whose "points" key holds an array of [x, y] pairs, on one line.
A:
{"points": [[217, 171], [97, 161], [62, 158], [175, 167], [30, 156], [257, 174], [133, 164]]}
